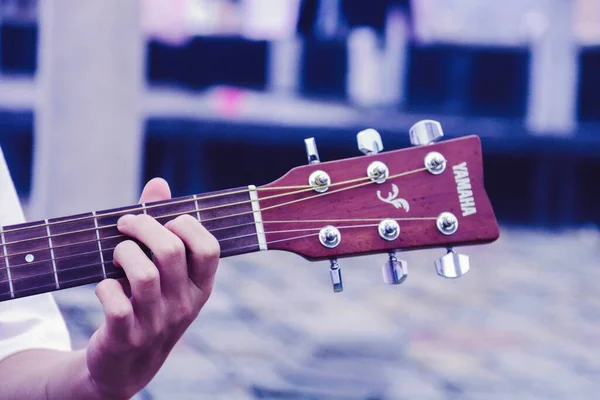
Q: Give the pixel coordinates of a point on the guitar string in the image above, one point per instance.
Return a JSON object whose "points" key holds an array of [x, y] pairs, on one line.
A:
{"points": [[96, 240], [308, 189], [169, 202], [12, 267], [206, 209], [277, 205], [212, 196], [52, 287], [117, 274], [222, 240]]}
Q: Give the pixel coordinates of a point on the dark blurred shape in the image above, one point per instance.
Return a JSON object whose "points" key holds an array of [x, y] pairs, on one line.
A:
{"points": [[468, 80], [307, 17], [185, 151], [207, 61], [324, 68], [16, 141], [588, 190], [499, 81], [589, 84], [372, 13], [18, 43], [356, 13]]}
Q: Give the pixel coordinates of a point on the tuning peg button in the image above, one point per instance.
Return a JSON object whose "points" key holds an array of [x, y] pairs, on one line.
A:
{"points": [[425, 132], [452, 265], [311, 151], [394, 271], [369, 141], [335, 273]]}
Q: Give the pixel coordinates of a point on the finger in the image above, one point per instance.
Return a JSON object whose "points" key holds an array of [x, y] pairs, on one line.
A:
{"points": [[126, 286], [144, 280], [203, 251], [118, 310], [155, 190], [167, 249]]}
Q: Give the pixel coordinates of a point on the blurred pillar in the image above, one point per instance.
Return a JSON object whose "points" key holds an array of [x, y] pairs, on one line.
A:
{"points": [[285, 58], [553, 70], [377, 66], [395, 58], [87, 123], [285, 45], [364, 83]]}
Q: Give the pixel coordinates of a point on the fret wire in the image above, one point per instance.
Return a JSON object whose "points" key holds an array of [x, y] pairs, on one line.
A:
{"points": [[259, 227], [197, 209], [64, 270], [221, 240], [51, 254], [109, 261], [137, 209], [146, 213], [158, 217], [10, 282], [307, 188], [99, 243], [99, 277]]}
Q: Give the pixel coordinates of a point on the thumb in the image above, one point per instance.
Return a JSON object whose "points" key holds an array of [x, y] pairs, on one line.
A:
{"points": [[155, 190]]}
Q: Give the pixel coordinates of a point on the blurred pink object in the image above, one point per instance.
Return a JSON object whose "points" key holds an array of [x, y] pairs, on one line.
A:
{"points": [[228, 101]]}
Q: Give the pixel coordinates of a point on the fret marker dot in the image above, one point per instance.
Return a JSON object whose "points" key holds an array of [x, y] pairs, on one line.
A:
{"points": [[29, 258]]}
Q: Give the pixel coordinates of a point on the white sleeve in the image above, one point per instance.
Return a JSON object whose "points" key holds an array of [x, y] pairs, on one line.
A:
{"points": [[32, 322]]}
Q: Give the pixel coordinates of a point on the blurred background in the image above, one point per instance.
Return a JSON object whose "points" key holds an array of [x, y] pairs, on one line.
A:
{"points": [[97, 97]]}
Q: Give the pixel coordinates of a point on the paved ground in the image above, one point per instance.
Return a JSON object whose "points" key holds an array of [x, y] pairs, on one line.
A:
{"points": [[524, 324]]}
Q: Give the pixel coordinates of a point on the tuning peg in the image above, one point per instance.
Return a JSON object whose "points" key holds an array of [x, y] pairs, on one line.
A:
{"points": [[311, 151], [425, 132], [369, 141], [336, 276], [394, 271], [452, 265]]}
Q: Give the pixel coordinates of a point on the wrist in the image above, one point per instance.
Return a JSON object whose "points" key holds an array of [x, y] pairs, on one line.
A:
{"points": [[74, 381]]}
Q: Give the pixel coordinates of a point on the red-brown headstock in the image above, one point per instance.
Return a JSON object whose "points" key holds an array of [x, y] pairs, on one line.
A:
{"points": [[412, 196]]}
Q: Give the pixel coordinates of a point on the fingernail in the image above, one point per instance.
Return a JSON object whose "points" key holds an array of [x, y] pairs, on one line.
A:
{"points": [[124, 220]]}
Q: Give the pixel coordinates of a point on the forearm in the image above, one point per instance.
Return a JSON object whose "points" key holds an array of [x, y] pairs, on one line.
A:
{"points": [[47, 375]]}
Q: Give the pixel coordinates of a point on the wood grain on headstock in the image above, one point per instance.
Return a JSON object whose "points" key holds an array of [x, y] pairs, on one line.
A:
{"points": [[427, 196]]}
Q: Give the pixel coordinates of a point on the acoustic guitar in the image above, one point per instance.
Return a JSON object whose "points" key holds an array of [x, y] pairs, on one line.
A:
{"points": [[431, 195]]}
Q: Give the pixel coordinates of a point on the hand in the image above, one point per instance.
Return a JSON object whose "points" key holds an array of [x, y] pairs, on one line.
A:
{"points": [[149, 312]]}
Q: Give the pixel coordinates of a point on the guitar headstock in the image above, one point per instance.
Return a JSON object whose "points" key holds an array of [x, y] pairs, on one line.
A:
{"points": [[431, 195]]}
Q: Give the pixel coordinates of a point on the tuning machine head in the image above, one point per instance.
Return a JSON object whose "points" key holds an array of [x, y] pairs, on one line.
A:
{"points": [[394, 271], [369, 141], [311, 151], [425, 132], [335, 274], [452, 265]]}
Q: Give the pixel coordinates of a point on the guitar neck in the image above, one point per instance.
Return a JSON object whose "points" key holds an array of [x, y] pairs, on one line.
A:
{"points": [[44, 256]]}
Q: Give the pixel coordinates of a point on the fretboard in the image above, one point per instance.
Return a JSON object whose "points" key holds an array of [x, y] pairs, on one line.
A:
{"points": [[53, 254]]}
